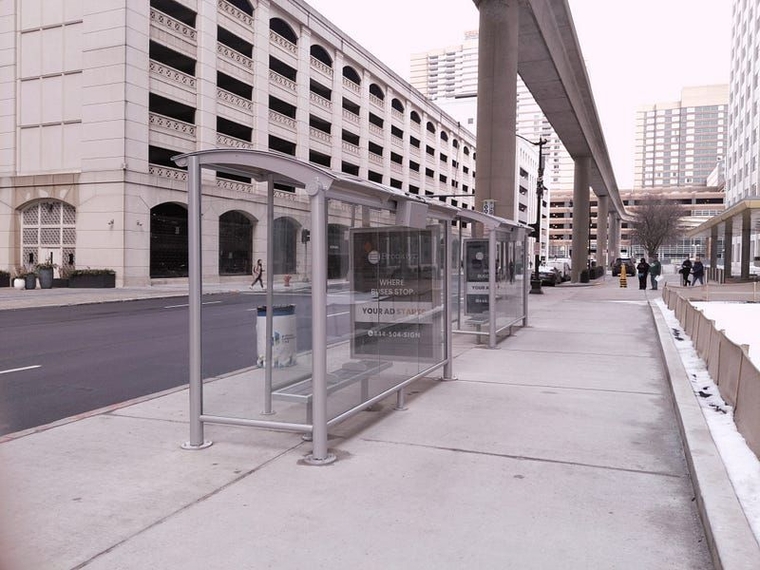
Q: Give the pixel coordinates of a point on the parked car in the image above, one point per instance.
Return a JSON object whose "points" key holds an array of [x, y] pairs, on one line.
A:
{"points": [[562, 265], [549, 275], [630, 266]]}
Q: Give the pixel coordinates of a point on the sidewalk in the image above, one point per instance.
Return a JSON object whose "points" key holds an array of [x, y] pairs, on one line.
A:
{"points": [[559, 449]]}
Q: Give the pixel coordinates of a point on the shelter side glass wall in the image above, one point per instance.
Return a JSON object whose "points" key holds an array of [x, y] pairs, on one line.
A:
{"points": [[471, 309], [385, 313]]}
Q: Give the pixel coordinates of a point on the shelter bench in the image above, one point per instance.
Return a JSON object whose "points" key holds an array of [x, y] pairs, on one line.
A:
{"points": [[350, 373]]}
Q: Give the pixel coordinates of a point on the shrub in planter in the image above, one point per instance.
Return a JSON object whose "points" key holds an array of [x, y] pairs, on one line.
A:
{"points": [[92, 278], [5, 279], [45, 273]]}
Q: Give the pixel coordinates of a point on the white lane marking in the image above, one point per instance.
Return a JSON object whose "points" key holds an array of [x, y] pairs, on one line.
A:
{"points": [[20, 369], [187, 305]]}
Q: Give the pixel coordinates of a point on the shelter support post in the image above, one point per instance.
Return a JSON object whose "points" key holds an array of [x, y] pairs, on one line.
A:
{"points": [[194, 303], [448, 372], [492, 289], [318, 204], [269, 321]]}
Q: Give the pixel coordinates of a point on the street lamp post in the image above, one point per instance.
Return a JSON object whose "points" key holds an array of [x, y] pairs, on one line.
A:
{"points": [[535, 283]]}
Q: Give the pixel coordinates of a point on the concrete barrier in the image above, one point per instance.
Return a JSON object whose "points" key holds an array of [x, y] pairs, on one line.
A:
{"points": [[713, 359], [705, 328], [747, 404], [728, 364], [729, 369]]}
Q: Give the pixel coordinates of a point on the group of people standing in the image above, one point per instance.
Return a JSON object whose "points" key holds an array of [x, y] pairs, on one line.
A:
{"points": [[695, 270], [654, 269]]}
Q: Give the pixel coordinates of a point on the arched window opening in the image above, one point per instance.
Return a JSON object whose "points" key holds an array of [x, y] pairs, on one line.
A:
{"points": [[285, 235], [235, 244], [282, 28], [397, 105], [444, 136], [350, 74], [337, 251], [48, 233], [319, 53], [415, 117], [430, 127], [168, 241], [375, 90]]}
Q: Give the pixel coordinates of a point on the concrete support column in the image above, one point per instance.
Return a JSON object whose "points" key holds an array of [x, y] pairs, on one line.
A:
{"points": [[497, 105], [728, 246], [602, 214], [714, 246], [746, 234], [614, 237], [581, 216]]}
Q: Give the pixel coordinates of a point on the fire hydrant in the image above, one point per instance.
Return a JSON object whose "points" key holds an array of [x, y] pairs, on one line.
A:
{"points": [[623, 279]]}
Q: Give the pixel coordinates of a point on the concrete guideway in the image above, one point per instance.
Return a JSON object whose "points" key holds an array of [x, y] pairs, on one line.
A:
{"points": [[558, 449]]}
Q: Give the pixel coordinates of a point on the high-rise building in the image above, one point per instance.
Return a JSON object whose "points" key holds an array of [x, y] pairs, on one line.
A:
{"points": [[99, 96], [680, 143], [449, 77], [742, 175]]}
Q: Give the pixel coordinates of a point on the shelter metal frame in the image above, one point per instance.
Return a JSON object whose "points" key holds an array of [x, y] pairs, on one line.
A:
{"points": [[320, 185], [494, 226]]}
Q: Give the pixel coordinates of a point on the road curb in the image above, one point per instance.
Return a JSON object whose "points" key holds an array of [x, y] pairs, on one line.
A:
{"points": [[731, 541]]}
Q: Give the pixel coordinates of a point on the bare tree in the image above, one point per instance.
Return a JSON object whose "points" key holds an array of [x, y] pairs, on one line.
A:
{"points": [[657, 222]]}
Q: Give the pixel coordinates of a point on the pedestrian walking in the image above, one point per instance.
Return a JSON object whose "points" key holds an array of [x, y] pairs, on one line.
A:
{"points": [[685, 271], [642, 270], [655, 270], [258, 274], [698, 271]]}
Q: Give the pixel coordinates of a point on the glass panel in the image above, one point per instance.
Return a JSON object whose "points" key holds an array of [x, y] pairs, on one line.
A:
{"points": [[385, 313]]}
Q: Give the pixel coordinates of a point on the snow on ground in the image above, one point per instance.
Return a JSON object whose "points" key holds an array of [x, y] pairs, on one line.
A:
{"points": [[739, 320], [742, 465]]}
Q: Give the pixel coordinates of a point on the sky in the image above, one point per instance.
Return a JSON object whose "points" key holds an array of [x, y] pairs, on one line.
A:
{"points": [[637, 53]]}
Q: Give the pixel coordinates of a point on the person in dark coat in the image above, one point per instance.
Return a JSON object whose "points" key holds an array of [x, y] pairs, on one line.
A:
{"points": [[685, 270], [698, 271], [642, 270]]}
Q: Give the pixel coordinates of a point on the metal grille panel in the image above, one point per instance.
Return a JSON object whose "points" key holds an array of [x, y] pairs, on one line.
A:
{"points": [[50, 236], [69, 236], [69, 215], [31, 236], [30, 256], [50, 213], [32, 215]]}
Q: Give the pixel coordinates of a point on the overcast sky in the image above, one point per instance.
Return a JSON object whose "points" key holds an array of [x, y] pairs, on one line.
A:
{"points": [[637, 53]]}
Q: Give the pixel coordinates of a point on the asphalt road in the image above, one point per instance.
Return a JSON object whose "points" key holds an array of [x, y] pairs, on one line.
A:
{"points": [[61, 361]]}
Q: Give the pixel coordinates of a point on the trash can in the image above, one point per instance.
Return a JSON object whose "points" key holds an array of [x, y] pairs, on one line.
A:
{"points": [[283, 335]]}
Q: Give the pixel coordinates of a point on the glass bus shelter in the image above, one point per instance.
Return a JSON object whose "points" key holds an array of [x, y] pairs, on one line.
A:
{"points": [[490, 283], [364, 310]]}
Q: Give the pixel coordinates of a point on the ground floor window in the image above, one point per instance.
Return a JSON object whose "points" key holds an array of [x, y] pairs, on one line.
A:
{"points": [[168, 241], [48, 234], [285, 236], [235, 244]]}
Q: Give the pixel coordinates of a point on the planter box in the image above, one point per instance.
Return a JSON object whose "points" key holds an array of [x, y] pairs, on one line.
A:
{"points": [[60, 282], [92, 281], [5, 280]]}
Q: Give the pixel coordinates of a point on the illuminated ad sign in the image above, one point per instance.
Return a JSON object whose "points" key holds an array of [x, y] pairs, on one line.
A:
{"points": [[476, 276], [397, 306]]}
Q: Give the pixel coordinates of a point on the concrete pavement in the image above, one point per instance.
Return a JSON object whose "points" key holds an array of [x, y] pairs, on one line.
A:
{"points": [[562, 448]]}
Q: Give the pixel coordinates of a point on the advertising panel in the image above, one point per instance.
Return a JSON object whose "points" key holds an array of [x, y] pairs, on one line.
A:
{"points": [[476, 276], [397, 305]]}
